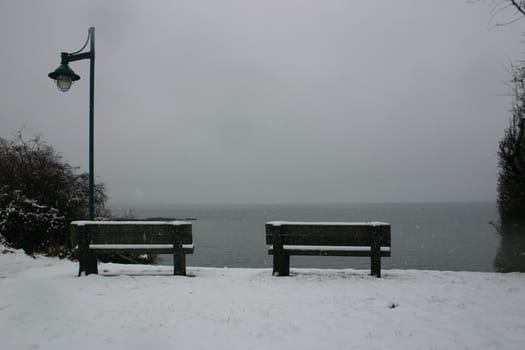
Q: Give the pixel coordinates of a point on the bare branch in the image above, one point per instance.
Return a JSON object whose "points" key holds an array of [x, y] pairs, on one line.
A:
{"points": [[509, 22], [519, 5]]}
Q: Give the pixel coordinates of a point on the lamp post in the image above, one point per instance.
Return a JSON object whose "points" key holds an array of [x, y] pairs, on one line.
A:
{"points": [[65, 77]]}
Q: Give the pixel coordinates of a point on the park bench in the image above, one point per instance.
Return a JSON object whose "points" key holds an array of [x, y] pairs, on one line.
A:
{"points": [[370, 239], [118, 237]]}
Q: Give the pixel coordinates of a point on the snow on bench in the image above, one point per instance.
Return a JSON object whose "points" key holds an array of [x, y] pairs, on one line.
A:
{"points": [[137, 246]]}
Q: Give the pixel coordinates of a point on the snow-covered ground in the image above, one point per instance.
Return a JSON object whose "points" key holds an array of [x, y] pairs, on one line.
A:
{"points": [[43, 305]]}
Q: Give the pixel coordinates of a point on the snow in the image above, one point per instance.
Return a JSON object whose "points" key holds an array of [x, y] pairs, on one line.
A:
{"points": [[325, 223], [43, 305]]}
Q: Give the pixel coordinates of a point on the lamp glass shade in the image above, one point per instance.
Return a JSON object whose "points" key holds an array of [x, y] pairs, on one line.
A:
{"points": [[64, 82], [64, 77]]}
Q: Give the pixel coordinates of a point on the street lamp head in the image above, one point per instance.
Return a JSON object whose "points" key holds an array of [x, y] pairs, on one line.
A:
{"points": [[64, 77]]}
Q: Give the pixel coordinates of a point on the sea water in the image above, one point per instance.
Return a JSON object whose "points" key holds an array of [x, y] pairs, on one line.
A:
{"points": [[435, 236]]}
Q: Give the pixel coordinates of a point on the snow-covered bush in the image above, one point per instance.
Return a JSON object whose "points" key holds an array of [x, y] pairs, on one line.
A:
{"points": [[26, 224], [40, 194]]}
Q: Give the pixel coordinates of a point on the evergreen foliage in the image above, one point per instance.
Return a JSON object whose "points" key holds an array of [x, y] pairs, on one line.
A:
{"points": [[511, 183]]}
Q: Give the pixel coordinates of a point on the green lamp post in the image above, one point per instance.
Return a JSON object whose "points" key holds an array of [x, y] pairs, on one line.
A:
{"points": [[64, 77]]}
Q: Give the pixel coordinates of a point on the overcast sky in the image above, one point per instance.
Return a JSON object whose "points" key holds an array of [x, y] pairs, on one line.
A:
{"points": [[252, 101]]}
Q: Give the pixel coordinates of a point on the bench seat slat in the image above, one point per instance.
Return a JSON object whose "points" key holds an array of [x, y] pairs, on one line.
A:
{"points": [[143, 248]]}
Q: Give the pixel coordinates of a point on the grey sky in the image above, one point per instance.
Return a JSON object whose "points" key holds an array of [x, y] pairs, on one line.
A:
{"points": [[268, 101]]}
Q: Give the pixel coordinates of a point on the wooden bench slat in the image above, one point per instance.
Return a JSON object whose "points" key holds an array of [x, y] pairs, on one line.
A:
{"points": [[143, 248], [346, 234], [330, 251], [133, 232], [331, 248], [136, 246]]}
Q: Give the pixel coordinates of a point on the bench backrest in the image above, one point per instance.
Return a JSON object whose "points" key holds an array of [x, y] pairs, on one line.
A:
{"points": [[327, 233], [132, 232]]}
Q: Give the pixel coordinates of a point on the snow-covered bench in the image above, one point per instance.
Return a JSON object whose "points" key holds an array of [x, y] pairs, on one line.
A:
{"points": [[144, 237], [370, 239]]}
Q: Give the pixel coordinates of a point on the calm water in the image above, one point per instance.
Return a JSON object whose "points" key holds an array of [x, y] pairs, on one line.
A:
{"points": [[436, 236]]}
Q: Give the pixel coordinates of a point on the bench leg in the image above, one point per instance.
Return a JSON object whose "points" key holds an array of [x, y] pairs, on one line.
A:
{"points": [[375, 249], [281, 264], [87, 261], [87, 264], [179, 261], [281, 260], [376, 266]]}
